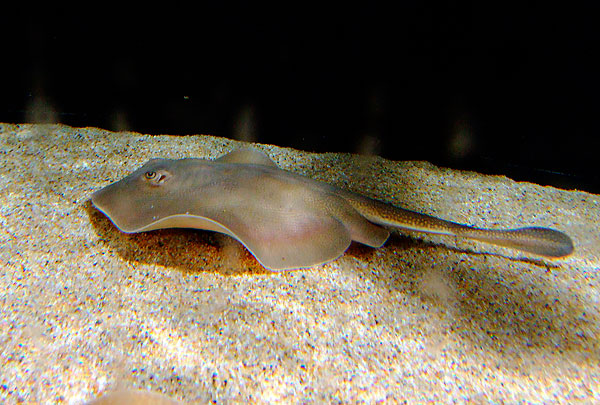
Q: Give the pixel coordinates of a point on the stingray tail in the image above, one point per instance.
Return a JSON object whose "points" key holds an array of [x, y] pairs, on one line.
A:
{"points": [[540, 241]]}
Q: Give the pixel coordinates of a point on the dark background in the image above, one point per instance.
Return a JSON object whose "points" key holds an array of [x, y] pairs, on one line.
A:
{"points": [[508, 89]]}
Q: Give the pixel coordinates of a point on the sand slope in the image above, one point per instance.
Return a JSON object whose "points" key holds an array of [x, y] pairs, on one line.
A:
{"points": [[85, 309]]}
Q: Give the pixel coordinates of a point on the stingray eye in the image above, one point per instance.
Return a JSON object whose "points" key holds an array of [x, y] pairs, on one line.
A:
{"points": [[158, 177]]}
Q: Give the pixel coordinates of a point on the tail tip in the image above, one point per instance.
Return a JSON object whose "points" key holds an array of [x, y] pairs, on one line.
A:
{"points": [[549, 242]]}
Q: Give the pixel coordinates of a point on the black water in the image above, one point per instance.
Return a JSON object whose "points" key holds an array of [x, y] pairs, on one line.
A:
{"points": [[511, 89]]}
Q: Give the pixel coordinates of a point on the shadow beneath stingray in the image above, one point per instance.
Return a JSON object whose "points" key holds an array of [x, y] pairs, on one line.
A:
{"points": [[188, 250]]}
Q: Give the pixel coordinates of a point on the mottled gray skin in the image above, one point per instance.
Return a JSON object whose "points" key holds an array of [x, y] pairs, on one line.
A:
{"points": [[285, 220]]}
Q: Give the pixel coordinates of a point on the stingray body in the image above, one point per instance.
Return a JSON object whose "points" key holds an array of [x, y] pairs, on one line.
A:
{"points": [[285, 220]]}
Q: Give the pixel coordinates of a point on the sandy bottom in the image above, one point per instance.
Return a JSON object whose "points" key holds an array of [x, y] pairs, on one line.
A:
{"points": [[85, 309]]}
